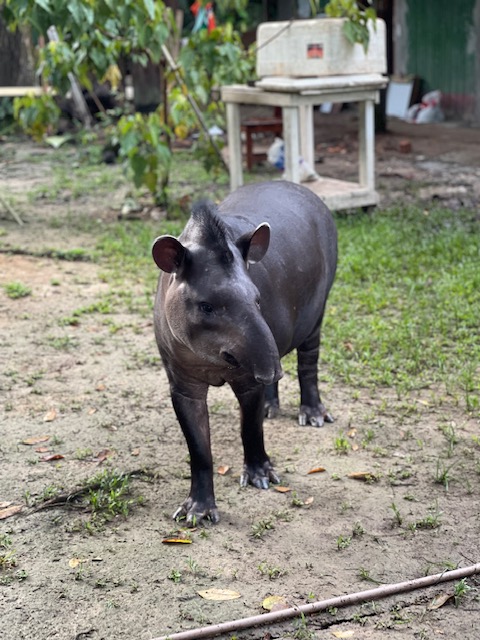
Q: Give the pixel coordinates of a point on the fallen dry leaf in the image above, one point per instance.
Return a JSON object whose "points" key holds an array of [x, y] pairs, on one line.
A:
{"points": [[223, 469], [365, 476], [176, 541], [42, 449], [275, 603], [10, 511], [52, 457], [355, 447], [73, 563], [50, 415], [440, 600], [103, 455], [308, 501], [219, 594], [4, 505], [91, 411], [316, 470], [343, 634], [100, 387], [135, 452], [352, 433], [35, 440], [281, 489]]}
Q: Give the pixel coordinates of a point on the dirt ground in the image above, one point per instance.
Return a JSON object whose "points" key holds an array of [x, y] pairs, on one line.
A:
{"points": [[93, 389]]}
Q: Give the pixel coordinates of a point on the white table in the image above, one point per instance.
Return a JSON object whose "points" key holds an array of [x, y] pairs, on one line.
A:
{"points": [[297, 97]]}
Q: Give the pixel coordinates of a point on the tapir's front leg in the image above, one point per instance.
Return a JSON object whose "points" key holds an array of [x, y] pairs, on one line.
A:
{"points": [[257, 468], [190, 405]]}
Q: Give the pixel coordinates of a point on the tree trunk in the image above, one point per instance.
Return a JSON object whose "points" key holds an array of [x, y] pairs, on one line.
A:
{"points": [[17, 66]]}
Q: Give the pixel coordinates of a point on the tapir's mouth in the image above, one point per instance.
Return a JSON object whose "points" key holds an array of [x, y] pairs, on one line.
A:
{"points": [[230, 360]]}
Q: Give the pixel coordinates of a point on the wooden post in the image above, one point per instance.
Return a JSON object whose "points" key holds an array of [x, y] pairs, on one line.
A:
{"points": [[291, 137], [307, 134], [234, 145], [366, 147]]}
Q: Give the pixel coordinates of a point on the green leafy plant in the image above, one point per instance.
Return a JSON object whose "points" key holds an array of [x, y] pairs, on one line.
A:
{"points": [[343, 542], [175, 575], [260, 528], [358, 16], [7, 556], [460, 591], [95, 38], [341, 444], [143, 141], [36, 115]]}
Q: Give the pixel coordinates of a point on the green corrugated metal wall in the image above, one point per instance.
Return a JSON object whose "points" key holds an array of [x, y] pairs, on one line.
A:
{"points": [[441, 50]]}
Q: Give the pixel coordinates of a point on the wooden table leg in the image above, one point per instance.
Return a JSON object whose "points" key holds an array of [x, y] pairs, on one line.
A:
{"points": [[291, 137], [234, 145], [307, 135], [366, 147]]}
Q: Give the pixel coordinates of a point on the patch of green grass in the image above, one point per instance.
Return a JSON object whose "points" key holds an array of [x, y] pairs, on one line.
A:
{"points": [[406, 301], [431, 520], [460, 591], [442, 474], [343, 542], [16, 290], [104, 306], [108, 497], [8, 559], [74, 175], [271, 571], [341, 444], [175, 575], [260, 528], [63, 343]]}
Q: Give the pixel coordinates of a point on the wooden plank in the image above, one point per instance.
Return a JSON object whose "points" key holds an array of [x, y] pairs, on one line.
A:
{"points": [[234, 145], [341, 194], [18, 92], [298, 85]]}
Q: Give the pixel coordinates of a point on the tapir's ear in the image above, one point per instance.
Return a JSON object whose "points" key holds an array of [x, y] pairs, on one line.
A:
{"points": [[254, 245], [168, 253]]}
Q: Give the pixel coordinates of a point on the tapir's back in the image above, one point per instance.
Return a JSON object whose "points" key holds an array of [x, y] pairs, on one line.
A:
{"points": [[297, 272]]}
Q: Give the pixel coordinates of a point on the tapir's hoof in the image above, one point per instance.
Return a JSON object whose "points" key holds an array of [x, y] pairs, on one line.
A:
{"points": [[259, 476], [309, 416], [272, 409], [194, 513]]}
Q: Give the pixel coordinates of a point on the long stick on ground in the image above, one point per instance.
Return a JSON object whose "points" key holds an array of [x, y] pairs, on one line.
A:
{"points": [[315, 607]]}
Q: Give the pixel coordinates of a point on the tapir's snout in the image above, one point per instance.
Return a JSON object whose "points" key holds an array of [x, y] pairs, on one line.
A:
{"points": [[269, 378]]}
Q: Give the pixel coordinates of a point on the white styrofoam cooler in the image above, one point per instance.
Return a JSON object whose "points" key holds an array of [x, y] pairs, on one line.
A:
{"points": [[318, 47]]}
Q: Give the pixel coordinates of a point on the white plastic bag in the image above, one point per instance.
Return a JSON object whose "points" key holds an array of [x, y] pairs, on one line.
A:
{"points": [[276, 157], [276, 154]]}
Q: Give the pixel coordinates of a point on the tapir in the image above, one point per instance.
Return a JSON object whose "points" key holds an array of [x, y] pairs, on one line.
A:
{"points": [[245, 283]]}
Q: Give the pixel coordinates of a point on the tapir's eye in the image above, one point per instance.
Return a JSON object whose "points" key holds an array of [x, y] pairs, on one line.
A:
{"points": [[206, 307]]}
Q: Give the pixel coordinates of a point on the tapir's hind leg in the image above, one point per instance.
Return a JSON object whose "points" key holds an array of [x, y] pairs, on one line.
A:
{"points": [[312, 412], [272, 403], [257, 468]]}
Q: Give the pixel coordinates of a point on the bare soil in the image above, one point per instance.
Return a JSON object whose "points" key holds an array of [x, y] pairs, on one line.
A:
{"points": [[92, 389]]}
